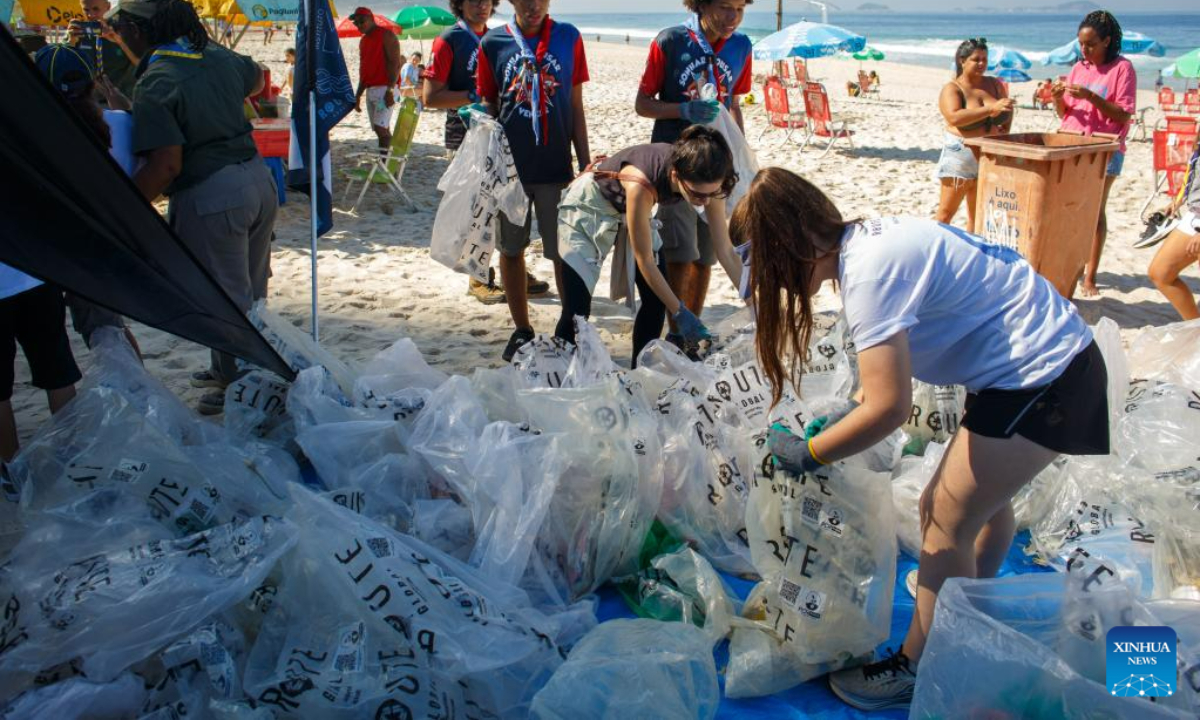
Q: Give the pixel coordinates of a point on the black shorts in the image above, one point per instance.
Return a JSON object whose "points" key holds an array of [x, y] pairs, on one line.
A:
{"points": [[37, 320], [1069, 416]]}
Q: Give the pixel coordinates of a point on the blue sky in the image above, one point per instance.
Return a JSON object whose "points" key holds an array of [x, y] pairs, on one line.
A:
{"points": [[1117, 6]]}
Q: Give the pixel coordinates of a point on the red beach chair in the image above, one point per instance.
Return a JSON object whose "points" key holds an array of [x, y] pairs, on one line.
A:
{"points": [[779, 111], [821, 122], [1173, 147]]}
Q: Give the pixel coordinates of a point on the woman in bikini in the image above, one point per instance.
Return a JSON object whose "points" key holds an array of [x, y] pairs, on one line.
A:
{"points": [[608, 209], [974, 105]]}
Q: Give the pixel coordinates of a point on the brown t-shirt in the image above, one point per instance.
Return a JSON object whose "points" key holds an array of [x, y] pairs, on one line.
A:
{"points": [[652, 159]]}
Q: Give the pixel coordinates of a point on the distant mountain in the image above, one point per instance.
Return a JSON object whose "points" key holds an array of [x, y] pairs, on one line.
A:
{"points": [[873, 7], [1075, 7]]}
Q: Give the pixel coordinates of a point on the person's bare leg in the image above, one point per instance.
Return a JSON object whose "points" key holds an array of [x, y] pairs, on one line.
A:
{"points": [[969, 196], [384, 137], [1170, 260], [991, 547], [695, 288], [59, 397], [677, 277], [8, 432], [512, 275], [950, 197], [976, 480], [1087, 286]]}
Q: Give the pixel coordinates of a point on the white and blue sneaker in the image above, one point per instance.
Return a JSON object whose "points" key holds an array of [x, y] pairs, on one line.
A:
{"points": [[887, 683]]}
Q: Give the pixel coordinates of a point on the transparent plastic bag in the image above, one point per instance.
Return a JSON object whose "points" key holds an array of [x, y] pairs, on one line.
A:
{"points": [[1108, 338], [1160, 428], [825, 546], [1093, 521], [297, 347], [936, 412], [480, 182], [915, 475], [544, 361], [591, 363], [607, 483], [104, 458], [79, 698], [760, 664], [115, 605], [683, 587], [256, 407], [370, 623], [1170, 353], [1014, 632], [745, 162], [447, 432], [634, 669]]}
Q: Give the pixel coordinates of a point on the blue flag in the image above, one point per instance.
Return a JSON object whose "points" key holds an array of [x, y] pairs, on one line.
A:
{"points": [[319, 65]]}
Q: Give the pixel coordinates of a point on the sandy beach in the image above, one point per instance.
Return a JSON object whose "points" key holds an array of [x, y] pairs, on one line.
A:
{"points": [[378, 283]]}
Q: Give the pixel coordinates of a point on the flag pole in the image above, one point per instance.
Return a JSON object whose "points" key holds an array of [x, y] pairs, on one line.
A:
{"points": [[310, 41]]}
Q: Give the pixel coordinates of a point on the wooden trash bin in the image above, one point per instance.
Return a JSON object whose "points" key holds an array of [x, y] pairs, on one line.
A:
{"points": [[1040, 193]]}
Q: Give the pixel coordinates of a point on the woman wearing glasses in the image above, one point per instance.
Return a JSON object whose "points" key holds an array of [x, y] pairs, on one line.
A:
{"points": [[608, 209], [974, 105]]}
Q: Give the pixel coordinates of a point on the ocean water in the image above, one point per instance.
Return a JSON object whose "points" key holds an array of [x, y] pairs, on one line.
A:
{"points": [[921, 39]]}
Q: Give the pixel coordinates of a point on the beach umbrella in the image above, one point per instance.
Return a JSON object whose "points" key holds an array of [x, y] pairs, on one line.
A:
{"points": [[1132, 43], [868, 53], [808, 40], [422, 32], [1004, 57], [1187, 65], [1013, 75], [346, 29], [418, 15]]}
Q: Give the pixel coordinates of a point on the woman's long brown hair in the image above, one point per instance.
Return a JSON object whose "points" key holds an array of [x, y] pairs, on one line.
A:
{"points": [[790, 225]]}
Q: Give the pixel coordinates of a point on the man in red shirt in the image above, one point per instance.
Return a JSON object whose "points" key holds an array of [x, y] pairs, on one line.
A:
{"points": [[378, 72]]}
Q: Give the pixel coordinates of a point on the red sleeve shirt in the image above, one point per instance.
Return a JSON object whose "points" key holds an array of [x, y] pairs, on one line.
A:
{"points": [[485, 82], [745, 82], [440, 61], [652, 77]]}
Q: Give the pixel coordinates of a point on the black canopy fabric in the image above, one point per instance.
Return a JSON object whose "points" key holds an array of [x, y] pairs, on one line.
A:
{"points": [[70, 216]]}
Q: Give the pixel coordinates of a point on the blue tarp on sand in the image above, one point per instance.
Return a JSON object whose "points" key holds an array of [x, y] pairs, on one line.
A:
{"points": [[814, 699]]}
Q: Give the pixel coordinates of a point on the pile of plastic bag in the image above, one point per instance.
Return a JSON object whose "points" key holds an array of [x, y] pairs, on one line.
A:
{"points": [[390, 541]]}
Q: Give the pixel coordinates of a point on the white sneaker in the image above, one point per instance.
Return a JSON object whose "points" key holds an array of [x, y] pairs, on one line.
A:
{"points": [[910, 582], [1157, 228], [880, 685]]}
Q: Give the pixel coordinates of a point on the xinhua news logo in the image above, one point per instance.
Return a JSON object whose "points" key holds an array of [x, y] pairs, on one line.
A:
{"points": [[1141, 661]]}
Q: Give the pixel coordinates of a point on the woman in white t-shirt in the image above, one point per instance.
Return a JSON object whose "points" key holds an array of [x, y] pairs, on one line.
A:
{"points": [[928, 301]]}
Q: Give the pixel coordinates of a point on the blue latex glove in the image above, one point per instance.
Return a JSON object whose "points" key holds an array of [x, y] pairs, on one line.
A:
{"points": [[816, 427], [689, 326], [699, 112], [790, 451], [466, 113]]}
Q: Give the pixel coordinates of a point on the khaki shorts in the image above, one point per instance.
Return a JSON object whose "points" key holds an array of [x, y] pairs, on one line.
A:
{"points": [[544, 201], [685, 237]]}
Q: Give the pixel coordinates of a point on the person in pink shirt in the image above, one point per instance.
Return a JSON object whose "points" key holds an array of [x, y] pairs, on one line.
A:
{"points": [[1099, 96]]}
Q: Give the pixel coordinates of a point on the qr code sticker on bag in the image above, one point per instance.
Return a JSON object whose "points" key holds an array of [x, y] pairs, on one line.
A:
{"points": [[128, 471], [789, 592], [811, 512], [380, 547]]}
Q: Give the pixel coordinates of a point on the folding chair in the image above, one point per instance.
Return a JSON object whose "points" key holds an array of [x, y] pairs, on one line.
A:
{"points": [[1191, 102], [821, 122], [376, 169], [1166, 101], [783, 73], [801, 69], [779, 112], [1173, 147]]}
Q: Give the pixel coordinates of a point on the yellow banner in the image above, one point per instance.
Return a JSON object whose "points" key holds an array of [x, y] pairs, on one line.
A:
{"points": [[51, 12]]}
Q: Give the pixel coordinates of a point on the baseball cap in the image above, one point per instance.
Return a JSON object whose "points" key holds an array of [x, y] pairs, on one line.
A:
{"points": [[361, 12], [144, 9], [65, 67]]}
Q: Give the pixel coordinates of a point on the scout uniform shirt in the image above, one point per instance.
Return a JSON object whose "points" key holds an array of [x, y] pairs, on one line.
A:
{"points": [[677, 68], [453, 61], [194, 99], [505, 79]]}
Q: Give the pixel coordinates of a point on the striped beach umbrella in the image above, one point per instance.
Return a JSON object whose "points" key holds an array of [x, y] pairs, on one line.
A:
{"points": [[1132, 43], [1013, 75], [808, 40]]}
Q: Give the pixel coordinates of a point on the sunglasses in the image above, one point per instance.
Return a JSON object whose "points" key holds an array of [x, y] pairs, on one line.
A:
{"points": [[977, 42], [703, 197]]}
